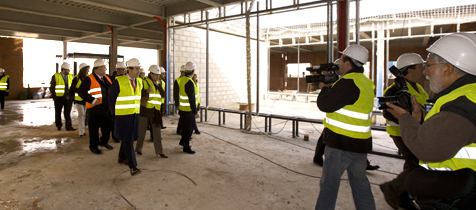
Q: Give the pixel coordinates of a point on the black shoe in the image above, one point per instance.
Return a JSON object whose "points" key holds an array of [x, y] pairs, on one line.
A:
{"points": [[109, 147], [389, 195], [139, 153], [71, 129], [198, 132], [82, 135], [97, 151], [135, 171], [180, 143], [163, 127], [179, 133], [372, 167], [163, 156], [188, 150], [319, 161], [116, 140], [59, 128]]}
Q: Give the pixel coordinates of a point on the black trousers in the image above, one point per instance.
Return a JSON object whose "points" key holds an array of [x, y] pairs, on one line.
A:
{"points": [[411, 162], [60, 103], [127, 153], [188, 124], [95, 122], [2, 100], [180, 123]]}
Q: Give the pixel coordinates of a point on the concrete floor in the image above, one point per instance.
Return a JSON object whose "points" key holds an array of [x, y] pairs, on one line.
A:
{"points": [[47, 169]]}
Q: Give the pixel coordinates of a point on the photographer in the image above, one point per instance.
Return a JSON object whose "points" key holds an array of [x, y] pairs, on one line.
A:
{"points": [[445, 142], [348, 103], [411, 66]]}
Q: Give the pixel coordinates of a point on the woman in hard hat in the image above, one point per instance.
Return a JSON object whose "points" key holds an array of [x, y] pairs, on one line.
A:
{"points": [[150, 107], [4, 86], [78, 101]]}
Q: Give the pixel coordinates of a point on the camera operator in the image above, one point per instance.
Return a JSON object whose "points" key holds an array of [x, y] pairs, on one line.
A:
{"points": [[411, 66], [348, 103], [445, 142]]}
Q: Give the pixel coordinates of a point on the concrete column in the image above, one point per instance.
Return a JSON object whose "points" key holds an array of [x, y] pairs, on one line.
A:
{"points": [[65, 50], [380, 58], [113, 50]]}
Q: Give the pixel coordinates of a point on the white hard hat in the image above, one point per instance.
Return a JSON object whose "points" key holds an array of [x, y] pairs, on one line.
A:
{"points": [[82, 65], [357, 52], [134, 62], [189, 66], [65, 65], [182, 68], [337, 61], [459, 49], [120, 65], [154, 69], [142, 70], [162, 70], [2, 70], [99, 63], [408, 59]]}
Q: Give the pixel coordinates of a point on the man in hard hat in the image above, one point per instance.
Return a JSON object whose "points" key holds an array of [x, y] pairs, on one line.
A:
{"points": [[177, 96], [187, 106], [348, 104], [120, 70], [411, 66], [94, 91], [78, 101], [444, 141], [150, 112], [59, 87], [4, 87], [197, 90], [124, 103], [163, 77], [142, 73]]}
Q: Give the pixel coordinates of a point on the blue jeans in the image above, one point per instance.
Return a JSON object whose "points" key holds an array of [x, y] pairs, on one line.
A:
{"points": [[336, 162]]}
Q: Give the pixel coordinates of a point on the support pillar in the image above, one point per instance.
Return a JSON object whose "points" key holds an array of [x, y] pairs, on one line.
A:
{"points": [[113, 50]]}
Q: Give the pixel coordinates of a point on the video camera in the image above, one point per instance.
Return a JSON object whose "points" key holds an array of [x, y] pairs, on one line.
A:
{"points": [[401, 98], [328, 78]]}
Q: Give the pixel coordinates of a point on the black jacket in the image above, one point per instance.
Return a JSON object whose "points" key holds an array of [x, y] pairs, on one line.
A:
{"points": [[74, 90], [101, 109], [344, 92]]}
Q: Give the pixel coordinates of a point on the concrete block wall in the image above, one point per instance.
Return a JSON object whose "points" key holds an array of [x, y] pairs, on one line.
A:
{"points": [[11, 59], [227, 65]]}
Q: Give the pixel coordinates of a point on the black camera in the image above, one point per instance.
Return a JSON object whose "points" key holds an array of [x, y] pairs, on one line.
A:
{"points": [[401, 98], [328, 78]]}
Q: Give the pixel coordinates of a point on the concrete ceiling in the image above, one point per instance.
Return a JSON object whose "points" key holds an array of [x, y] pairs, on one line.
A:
{"points": [[88, 21]]}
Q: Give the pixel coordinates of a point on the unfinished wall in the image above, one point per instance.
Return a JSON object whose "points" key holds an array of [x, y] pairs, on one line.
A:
{"points": [[227, 64], [11, 59]]}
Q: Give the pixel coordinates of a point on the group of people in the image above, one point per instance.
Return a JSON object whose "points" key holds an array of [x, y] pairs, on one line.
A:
{"points": [[124, 103], [436, 137]]}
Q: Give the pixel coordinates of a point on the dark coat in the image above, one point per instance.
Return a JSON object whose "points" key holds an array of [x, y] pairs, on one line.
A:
{"points": [[101, 109], [126, 127]]}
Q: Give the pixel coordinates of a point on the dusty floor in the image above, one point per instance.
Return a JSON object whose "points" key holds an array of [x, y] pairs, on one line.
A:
{"points": [[42, 168]]}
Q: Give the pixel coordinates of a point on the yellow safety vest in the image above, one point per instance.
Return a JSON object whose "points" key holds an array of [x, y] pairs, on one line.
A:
{"points": [[466, 156], [128, 101], [60, 86], [76, 96], [155, 99], [421, 96], [184, 104], [197, 93], [354, 120], [3, 83], [162, 100]]}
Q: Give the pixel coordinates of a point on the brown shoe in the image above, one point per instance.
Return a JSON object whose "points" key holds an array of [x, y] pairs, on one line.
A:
{"points": [[135, 171], [124, 161]]}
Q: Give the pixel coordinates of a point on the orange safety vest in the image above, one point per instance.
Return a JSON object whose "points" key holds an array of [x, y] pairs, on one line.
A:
{"points": [[95, 90]]}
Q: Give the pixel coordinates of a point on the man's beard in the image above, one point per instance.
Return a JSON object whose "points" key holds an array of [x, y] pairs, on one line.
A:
{"points": [[436, 85]]}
